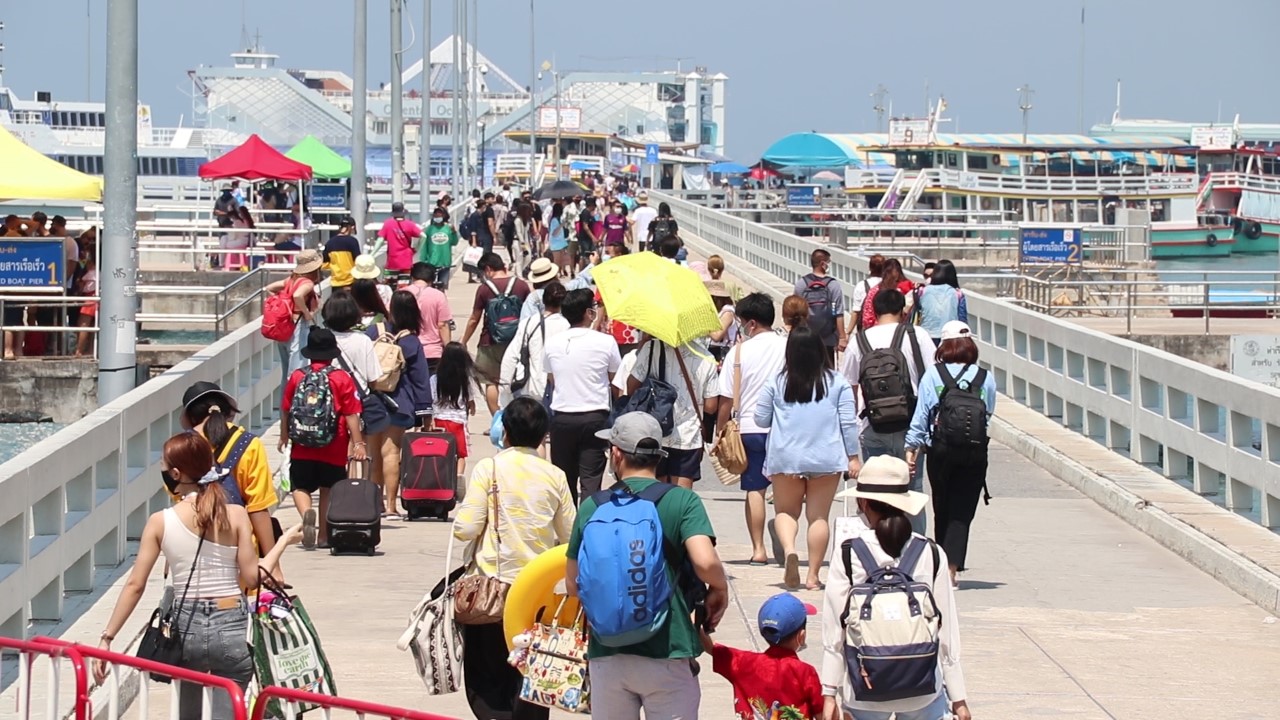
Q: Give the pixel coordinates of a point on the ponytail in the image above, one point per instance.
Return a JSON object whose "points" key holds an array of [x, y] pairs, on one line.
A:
{"points": [[893, 528], [211, 508], [216, 428]]}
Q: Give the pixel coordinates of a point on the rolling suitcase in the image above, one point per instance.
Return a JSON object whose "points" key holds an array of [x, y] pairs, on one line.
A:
{"points": [[429, 474], [355, 515]]}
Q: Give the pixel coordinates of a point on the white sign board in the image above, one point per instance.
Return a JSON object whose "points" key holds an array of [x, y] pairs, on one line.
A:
{"points": [[910, 132], [1256, 358], [570, 118], [1213, 138]]}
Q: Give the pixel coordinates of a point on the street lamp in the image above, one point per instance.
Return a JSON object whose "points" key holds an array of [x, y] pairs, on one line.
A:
{"points": [[480, 161]]}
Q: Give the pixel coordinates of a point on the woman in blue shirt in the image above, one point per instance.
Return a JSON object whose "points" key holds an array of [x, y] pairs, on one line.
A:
{"points": [[957, 479], [941, 301], [814, 438]]}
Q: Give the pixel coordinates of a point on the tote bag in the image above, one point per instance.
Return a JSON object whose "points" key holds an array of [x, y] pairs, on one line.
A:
{"points": [[433, 638], [286, 648]]}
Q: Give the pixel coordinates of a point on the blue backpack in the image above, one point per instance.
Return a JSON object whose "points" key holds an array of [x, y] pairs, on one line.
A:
{"points": [[230, 456], [624, 555]]}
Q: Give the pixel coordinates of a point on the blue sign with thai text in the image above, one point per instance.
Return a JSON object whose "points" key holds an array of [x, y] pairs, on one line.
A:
{"points": [[804, 195], [30, 264], [1058, 246], [328, 196], [651, 154]]}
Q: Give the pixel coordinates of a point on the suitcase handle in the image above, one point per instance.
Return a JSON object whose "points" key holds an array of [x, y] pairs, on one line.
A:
{"points": [[358, 468]]}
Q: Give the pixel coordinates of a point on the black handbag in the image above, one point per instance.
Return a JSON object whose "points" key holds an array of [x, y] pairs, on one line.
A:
{"points": [[655, 395], [162, 642]]}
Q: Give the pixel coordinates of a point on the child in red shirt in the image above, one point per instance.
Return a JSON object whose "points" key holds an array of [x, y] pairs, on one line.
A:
{"points": [[777, 676], [320, 468]]}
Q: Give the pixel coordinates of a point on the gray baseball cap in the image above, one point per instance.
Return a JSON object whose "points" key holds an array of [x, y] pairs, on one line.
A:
{"points": [[630, 430]]}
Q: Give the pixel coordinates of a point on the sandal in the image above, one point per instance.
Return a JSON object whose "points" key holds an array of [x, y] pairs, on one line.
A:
{"points": [[791, 575]]}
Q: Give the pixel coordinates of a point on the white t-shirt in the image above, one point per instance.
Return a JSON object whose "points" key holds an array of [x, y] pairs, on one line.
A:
{"points": [[762, 359], [879, 337], [642, 216], [624, 372], [511, 369], [859, 295], [581, 360], [357, 351], [687, 433], [730, 335]]}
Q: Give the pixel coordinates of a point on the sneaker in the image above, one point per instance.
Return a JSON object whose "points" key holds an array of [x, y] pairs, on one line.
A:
{"points": [[309, 529]]}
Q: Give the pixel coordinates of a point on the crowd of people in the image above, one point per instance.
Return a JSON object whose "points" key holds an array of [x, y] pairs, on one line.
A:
{"points": [[80, 278]]}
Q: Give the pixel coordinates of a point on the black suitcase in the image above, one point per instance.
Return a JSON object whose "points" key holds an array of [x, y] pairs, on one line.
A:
{"points": [[355, 515], [429, 474]]}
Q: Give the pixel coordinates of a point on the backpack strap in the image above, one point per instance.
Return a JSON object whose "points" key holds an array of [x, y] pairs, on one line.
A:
{"points": [[235, 448], [863, 343], [948, 382], [856, 546], [911, 555], [688, 382], [910, 331]]}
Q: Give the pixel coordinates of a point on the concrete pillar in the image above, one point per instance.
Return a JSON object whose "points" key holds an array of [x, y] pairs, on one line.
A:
{"points": [[359, 111]]}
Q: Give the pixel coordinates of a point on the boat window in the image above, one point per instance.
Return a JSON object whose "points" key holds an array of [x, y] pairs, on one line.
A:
{"points": [[1159, 210], [1088, 211], [1062, 211], [953, 160], [977, 162]]}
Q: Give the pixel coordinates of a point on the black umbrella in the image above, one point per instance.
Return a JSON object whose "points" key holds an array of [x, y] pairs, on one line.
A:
{"points": [[558, 190]]}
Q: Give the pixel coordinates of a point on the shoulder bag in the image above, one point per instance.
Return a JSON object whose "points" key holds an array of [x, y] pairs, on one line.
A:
{"points": [[480, 599], [728, 450], [161, 641], [433, 638]]}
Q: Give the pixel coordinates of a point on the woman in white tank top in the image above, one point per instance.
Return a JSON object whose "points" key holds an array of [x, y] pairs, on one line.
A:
{"points": [[208, 546]]}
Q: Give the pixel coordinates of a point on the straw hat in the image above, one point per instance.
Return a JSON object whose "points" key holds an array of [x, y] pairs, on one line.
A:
{"points": [[366, 268], [307, 261], [717, 288], [543, 270], [887, 479]]}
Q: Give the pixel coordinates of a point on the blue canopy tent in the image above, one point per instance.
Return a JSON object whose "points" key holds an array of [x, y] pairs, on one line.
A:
{"points": [[728, 168]]}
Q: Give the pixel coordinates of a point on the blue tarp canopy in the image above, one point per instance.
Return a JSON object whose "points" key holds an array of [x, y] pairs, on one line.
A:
{"points": [[728, 168], [820, 151]]}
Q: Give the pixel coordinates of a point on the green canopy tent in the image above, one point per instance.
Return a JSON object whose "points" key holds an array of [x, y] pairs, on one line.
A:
{"points": [[325, 163]]}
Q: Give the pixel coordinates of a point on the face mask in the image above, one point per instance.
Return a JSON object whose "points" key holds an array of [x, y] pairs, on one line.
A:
{"points": [[169, 483]]}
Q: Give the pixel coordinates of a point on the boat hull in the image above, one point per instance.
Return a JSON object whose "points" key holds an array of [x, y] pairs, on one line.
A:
{"points": [[1268, 241], [1191, 242]]}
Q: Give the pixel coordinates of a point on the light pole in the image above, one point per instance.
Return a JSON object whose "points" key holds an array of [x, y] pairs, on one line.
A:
{"points": [[424, 127], [397, 104], [359, 107], [1024, 104], [480, 154], [533, 104], [559, 124]]}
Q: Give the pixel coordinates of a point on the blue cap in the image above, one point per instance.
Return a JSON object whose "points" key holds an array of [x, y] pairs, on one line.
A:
{"points": [[780, 617]]}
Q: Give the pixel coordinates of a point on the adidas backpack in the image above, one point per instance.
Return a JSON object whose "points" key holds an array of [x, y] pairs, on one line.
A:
{"points": [[390, 359], [891, 625], [623, 555], [502, 313], [960, 425], [884, 378], [313, 416]]}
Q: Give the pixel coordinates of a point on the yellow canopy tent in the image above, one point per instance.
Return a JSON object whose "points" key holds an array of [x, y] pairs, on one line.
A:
{"points": [[25, 174]]}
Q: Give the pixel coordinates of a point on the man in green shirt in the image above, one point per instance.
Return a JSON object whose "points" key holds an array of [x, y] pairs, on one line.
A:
{"points": [[658, 673], [437, 251]]}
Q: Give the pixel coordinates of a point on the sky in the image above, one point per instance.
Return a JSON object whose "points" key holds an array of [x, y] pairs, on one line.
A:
{"points": [[792, 67]]}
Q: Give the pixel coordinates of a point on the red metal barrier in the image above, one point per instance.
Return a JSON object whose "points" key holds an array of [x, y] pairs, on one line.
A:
{"points": [[115, 660], [329, 703], [27, 652]]}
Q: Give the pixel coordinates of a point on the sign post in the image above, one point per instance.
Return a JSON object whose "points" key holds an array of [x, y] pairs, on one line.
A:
{"points": [[1256, 358], [651, 159], [1050, 246], [32, 264], [804, 195]]}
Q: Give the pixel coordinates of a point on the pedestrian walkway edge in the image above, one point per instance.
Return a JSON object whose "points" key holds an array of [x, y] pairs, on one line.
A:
{"points": [[1234, 570]]}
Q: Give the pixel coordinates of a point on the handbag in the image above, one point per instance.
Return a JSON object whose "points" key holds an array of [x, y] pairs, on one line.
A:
{"points": [[555, 666], [162, 642], [471, 259], [480, 599], [655, 395], [286, 647], [433, 638], [728, 450]]}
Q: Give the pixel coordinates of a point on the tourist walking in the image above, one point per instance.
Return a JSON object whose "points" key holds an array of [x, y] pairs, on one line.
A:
{"points": [[300, 287], [795, 312], [858, 298], [884, 364], [641, 219], [695, 377], [340, 254], [498, 302], [956, 401], [542, 272], [207, 545], [437, 248], [884, 540], [516, 507], [663, 226], [826, 304], [580, 365], [726, 337], [401, 236], [655, 673], [558, 240], [356, 355], [892, 277], [436, 329], [524, 370], [454, 392], [754, 362], [812, 420], [941, 301]]}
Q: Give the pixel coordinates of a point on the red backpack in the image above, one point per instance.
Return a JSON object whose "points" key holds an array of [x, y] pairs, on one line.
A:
{"points": [[278, 322]]}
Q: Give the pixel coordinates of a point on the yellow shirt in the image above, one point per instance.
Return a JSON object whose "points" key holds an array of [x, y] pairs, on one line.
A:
{"points": [[253, 473], [535, 511]]}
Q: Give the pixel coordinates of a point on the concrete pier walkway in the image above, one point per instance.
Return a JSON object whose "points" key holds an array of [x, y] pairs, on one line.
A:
{"points": [[1066, 612]]}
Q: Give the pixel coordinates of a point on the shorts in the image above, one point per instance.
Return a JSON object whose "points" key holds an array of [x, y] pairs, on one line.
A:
{"points": [[89, 309], [459, 433], [402, 420], [373, 415], [312, 475], [489, 362], [681, 463], [753, 478], [14, 314], [573, 248]]}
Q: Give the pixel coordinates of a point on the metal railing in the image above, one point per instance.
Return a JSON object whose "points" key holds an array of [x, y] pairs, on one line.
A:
{"points": [[1209, 430]]}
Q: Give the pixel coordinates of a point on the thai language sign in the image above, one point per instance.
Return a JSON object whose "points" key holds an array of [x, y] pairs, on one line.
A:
{"points": [[1256, 358], [28, 264], [1061, 246]]}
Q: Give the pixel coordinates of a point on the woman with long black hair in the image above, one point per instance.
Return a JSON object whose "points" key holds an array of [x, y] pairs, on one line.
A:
{"points": [[941, 301], [813, 438]]}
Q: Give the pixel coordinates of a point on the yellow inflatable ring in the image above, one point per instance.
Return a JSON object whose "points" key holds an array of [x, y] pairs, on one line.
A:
{"points": [[534, 589]]}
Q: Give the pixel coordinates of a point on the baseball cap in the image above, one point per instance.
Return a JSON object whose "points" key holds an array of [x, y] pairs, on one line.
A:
{"points": [[780, 617], [955, 329], [630, 430]]}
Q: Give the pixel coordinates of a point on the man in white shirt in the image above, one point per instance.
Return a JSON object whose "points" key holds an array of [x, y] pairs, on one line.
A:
{"points": [[580, 366], [692, 372], [757, 360], [524, 373], [858, 298], [641, 218], [890, 307]]}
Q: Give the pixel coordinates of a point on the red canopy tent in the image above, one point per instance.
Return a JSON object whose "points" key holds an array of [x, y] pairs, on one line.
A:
{"points": [[255, 160]]}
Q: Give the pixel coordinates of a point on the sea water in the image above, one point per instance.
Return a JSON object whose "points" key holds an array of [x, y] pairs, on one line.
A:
{"points": [[16, 437]]}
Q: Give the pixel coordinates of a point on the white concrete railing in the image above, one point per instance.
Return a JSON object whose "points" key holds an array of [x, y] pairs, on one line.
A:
{"points": [[1195, 424], [70, 504]]}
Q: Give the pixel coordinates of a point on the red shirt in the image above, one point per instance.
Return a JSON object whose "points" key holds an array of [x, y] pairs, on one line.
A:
{"points": [[347, 402], [760, 679]]}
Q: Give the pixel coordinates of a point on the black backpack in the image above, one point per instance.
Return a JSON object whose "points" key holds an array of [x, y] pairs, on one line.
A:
{"points": [[470, 225], [960, 425], [884, 377], [662, 229], [817, 292]]}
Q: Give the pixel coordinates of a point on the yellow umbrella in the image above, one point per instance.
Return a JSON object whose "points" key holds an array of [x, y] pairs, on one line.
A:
{"points": [[656, 295]]}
